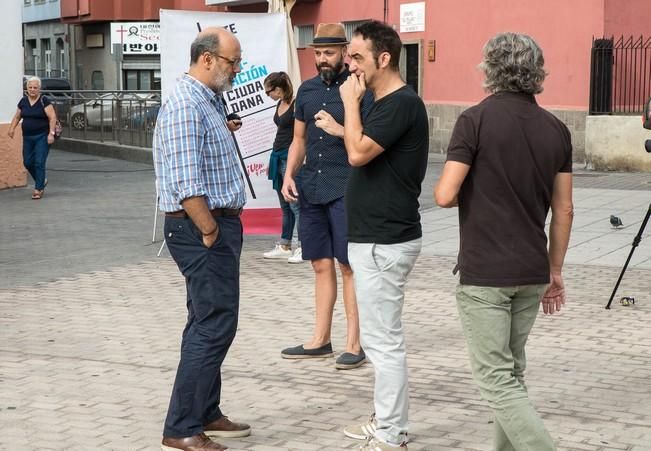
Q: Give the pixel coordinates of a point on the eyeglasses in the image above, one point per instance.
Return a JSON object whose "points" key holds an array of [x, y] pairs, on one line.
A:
{"points": [[232, 63], [267, 91]]}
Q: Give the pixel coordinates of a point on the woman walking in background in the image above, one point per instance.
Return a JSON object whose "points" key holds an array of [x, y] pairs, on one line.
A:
{"points": [[39, 121], [278, 86]]}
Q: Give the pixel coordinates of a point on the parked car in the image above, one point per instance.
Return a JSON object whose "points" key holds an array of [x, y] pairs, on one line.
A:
{"points": [[144, 117], [111, 110]]}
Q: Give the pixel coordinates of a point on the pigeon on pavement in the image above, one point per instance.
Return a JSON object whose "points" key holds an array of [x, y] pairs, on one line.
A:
{"points": [[615, 221]]}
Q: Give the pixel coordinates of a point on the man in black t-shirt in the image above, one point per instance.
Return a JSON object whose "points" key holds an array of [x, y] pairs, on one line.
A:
{"points": [[388, 153], [508, 161]]}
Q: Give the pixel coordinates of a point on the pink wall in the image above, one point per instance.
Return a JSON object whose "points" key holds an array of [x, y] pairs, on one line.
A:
{"points": [[630, 17], [564, 30], [109, 10], [335, 11], [12, 172]]}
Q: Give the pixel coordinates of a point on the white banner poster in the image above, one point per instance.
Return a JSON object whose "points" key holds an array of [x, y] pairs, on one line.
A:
{"points": [[263, 40]]}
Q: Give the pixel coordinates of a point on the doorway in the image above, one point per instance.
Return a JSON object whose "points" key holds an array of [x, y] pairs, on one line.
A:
{"points": [[411, 64]]}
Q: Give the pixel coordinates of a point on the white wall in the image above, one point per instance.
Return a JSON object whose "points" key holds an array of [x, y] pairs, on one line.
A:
{"points": [[616, 143], [43, 11], [11, 55]]}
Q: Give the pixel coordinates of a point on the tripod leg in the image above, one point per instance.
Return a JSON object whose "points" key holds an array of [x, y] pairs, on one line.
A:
{"points": [[153, 234], [621, 275], [161, 248], [636, 242]]}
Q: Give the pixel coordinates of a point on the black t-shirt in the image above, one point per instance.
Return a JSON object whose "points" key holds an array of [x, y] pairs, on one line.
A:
{"points": [[382, 196], [35, 121], [285, 123], [515, 150]]}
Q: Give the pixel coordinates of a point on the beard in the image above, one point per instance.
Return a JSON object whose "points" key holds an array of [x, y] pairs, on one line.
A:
{"points": [[222, 83], [329, 73]]}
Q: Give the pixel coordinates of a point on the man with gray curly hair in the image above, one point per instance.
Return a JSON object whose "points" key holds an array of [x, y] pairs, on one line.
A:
{"points": [[508, 162]]}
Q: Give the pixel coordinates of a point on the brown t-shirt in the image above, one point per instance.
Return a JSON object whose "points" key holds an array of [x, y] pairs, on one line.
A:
{"points": [[515, 149]]}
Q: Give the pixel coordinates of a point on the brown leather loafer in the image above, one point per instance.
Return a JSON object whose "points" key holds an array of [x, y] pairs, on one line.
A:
{"points": [[199, 442], [225, 428]]}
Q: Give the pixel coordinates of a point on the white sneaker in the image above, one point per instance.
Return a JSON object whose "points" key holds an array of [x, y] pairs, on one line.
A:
{"points": [[374, 444], [278, 252], [362, 431], [297, 256]]}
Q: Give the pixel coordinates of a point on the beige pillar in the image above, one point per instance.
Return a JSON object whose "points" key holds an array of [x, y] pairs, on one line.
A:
{"points": [[12, 173], [616, 143]]}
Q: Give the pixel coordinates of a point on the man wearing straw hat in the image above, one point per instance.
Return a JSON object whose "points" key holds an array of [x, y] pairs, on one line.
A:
{"points": [[318, 142]]}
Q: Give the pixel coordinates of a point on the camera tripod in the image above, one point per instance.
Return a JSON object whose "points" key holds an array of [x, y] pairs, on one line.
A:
{"points": [[636, 242]]}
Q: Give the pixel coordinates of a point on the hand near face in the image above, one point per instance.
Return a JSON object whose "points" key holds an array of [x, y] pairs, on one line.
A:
{"points": [[353, 88]]}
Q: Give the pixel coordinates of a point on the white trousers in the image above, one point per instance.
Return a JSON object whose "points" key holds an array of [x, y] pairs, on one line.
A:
{"points": [[380, 272]]}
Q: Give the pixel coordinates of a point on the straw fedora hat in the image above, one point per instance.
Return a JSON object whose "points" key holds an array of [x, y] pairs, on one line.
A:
{"points": [[329, 34]]}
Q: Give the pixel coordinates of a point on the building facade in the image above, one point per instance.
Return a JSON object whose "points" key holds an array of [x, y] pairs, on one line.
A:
{"points": [[443, 40], [115, 41], [94, 43], [46, 40]]}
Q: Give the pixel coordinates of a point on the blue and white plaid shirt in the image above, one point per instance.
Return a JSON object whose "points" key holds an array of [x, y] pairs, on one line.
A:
{"points": [[194, 152]]}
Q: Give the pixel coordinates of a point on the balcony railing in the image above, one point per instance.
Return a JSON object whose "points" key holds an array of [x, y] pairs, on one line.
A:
{"points": [[620, 75]]}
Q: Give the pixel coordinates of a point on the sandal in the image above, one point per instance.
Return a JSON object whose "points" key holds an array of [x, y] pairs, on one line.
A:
{"points": [[37, 194]]}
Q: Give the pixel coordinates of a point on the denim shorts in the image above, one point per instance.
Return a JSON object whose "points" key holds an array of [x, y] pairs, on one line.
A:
{"points": [[323, 230]]}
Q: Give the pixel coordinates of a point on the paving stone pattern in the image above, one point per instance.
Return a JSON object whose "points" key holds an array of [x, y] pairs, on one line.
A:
{"points": [[90, 324], [87, 362]]}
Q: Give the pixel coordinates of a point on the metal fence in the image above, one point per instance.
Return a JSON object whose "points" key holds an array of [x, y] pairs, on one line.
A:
{"points": [[620, 75], [122, 117]]}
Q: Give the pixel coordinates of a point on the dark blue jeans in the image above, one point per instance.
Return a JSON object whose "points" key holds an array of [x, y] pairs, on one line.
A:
{"points": [[212, 279], [291, 212], [35, 150]]}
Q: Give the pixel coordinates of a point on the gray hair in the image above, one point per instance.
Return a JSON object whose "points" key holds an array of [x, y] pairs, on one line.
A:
{"points": [[513, 62], [204, 42], [34, 78]]}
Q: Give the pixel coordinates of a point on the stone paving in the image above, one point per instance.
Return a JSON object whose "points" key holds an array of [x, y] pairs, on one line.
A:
{"points": [[89, 341], [88, 362], [593, 241]]}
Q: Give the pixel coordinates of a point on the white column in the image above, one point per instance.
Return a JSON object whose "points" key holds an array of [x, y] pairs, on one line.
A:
{"points": [[11, 85]]}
